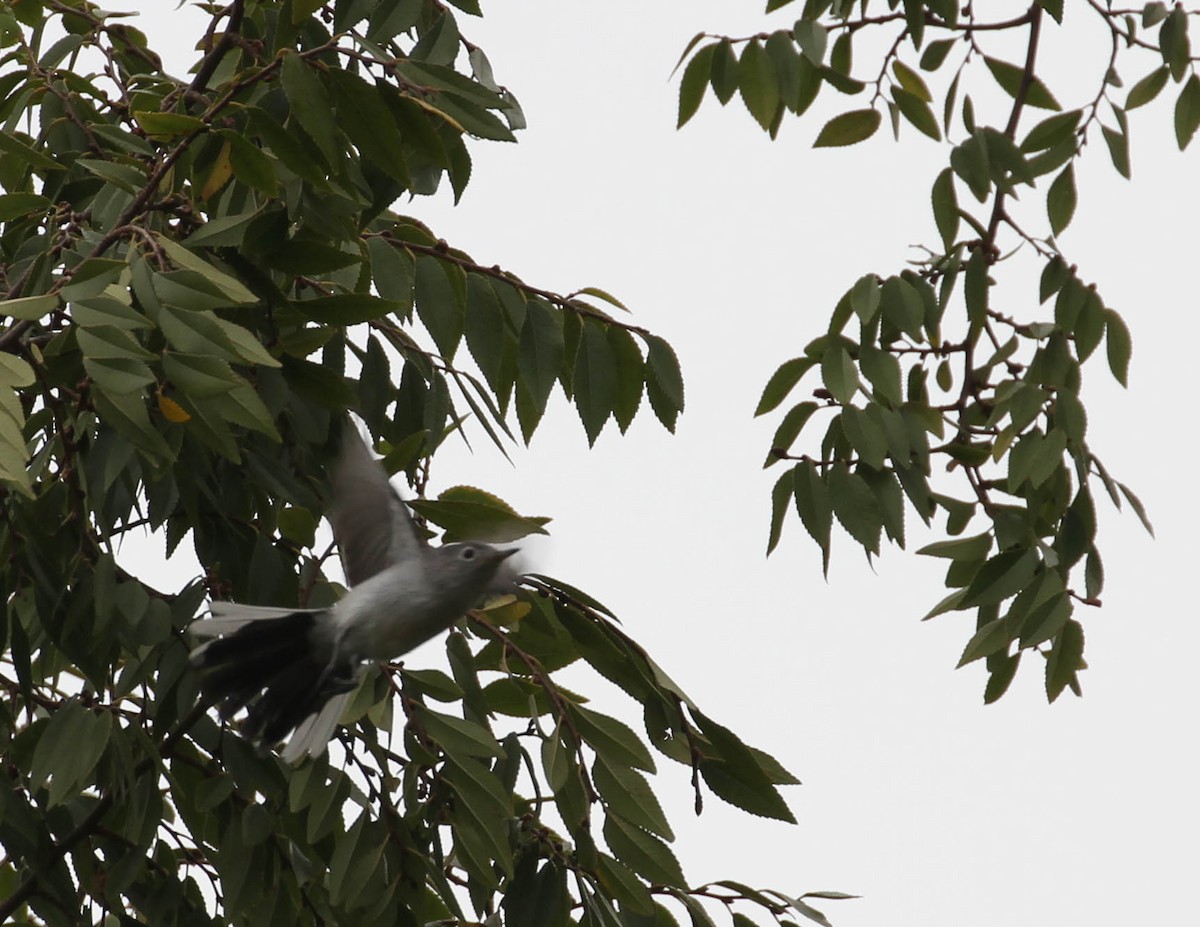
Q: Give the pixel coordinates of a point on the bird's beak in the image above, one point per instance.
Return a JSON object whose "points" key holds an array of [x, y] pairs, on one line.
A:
{"points": [[505, 554]]}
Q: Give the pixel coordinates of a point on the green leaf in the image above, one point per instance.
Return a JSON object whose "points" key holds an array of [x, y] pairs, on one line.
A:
{"points": [[457, 737], [882, 369], [1119, 344], [123, 176], [1051, 131], [466, 512], [1147, 88], [29, 308], [864, 436], [1004, 575], [642, 852], [68, 750], [976, 290], [229, 287], [945, 207], [541, 355], [781, 383], [250, 165], [311, 105], [1061, 200], [440, 290], [781, 492], [724, 71], [364, 116], [627, 793], [814, 506], [1173, 42], [839, 375], [1065, 661], [14, 144], [631, 375], [918, 112], [1118, 150], [694, 83], [199, 377], [864, 297], [972, 548], [612, 740], [758, 83], [595, 384], [812, 38], [17, 205], [1187, 111], [664, 385], [393, 271], [789, 428], [993, 637], [1010, 77], [349, 308], [856, 507], [1138, 508], [118, 374], [849, 128], [935, 54], [734, 773]]}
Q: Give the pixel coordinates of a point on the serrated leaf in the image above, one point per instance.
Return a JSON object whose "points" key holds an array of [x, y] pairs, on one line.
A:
{"points": [[1119, 345], [856, 507], [642, 852], [1147, 88], [1187, 111], [694, 83], [1010, 77], [69, 749], [310, 105], [724, 72], [781, 383], [664, 385], [812, 37], [1061, 200], [813, 505], [469, 513], [945, 207], [758, 84], [1118, 150], [595, 385], [917, 112], [839, 375], [1004, 575], [849, 128]]}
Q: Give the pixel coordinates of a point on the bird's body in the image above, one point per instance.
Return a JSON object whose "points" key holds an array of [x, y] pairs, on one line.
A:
{"points": [[295, 668]]}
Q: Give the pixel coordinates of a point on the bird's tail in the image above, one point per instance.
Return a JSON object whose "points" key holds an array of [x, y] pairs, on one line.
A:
{"points": [[273, 662]]}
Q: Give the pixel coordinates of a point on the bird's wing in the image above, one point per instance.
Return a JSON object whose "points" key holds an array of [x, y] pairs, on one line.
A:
{"points": [[371, 523], [312, 735]]}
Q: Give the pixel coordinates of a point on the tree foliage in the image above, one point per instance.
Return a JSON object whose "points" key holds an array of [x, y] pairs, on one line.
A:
{"points": [[200, 276], [944, 365]]}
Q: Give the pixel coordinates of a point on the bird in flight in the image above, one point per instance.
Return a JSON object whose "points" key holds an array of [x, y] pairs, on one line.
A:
{"points": [[293, 669]]}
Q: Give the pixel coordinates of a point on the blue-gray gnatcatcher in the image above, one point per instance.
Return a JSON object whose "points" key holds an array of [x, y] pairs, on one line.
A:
{"points": [[296, 668]]}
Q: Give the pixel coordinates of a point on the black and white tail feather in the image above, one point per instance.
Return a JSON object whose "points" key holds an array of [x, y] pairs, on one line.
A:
{"points": [[294, 670]]}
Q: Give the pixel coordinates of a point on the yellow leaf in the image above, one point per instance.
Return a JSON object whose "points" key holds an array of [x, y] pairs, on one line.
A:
{"points": [[221, 172], [171, 410]]}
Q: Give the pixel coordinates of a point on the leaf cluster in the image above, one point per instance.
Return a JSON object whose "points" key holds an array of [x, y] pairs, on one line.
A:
{"points": [[200, 277], [923, 366]]}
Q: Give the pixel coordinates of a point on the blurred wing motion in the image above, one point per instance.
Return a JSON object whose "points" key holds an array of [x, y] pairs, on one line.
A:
{"points": [[371, 523]]}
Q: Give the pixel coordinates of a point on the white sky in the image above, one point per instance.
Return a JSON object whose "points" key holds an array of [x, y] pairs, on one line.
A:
{"points": [[940, 811]]}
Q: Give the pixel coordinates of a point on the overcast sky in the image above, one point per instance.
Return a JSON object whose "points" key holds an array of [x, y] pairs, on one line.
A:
{"points": [[940, 811]]}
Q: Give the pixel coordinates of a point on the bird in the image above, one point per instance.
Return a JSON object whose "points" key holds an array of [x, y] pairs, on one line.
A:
{"points": [[294, 669]]}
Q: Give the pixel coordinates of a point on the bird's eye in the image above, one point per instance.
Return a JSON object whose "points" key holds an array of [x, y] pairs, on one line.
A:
{"points": [[468, 553]]}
